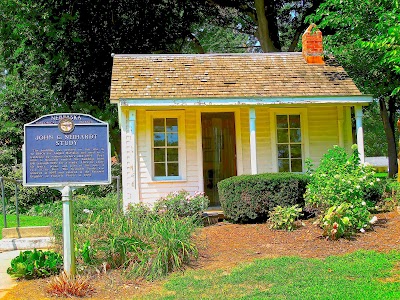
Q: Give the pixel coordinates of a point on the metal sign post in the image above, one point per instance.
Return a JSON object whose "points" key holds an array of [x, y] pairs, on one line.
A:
{"points": [[68, 231], [66, 151]]}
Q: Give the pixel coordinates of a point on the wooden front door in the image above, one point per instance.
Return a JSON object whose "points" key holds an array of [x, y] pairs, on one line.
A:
{"points": [[219, 151]]}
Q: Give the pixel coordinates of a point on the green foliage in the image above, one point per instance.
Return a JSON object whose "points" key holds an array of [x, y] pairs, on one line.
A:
{"points": [[369, 53], [250, 197], [27, 196], [142, 242], [340, 178], [103, 190], [182, 204], [345, 220], [45, 209], [284, 217], [35, 264]]}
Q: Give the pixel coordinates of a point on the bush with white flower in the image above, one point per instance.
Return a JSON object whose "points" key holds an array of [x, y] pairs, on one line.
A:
{"points": [[341, 178], [344, 190], [182, 204]]}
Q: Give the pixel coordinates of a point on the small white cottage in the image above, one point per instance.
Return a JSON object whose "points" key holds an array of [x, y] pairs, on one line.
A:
{"points": [[189, 121]]}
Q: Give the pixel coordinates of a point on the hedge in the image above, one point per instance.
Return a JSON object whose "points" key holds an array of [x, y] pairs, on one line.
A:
{"points": [[249, 198]]}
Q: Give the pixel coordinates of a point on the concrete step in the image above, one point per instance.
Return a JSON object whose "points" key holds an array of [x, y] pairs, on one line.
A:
{"points": [[26, 232], [29, 243]]}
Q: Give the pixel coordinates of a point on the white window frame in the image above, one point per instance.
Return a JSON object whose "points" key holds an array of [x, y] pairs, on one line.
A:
{"points": [[304, 133], [180, 116]]}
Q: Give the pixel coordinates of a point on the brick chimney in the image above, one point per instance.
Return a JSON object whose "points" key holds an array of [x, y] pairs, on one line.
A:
{"points": [[312, 45]]}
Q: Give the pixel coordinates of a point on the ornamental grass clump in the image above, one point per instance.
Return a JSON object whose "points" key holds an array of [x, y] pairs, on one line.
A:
{"points": [[66, 286], [141, 242]]}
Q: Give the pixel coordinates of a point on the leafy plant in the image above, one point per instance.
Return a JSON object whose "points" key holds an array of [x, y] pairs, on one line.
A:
{"points": [[183, 204], [345, 219], [65, 286], [35, 264], [284, 217]]}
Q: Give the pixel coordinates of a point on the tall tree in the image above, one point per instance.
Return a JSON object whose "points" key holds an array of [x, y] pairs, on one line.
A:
{"points": [[277, 24], [366, 41], [69, 44]]}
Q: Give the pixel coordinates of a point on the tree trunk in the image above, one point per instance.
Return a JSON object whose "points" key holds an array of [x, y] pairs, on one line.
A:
{"points": [[263, 33], [388, 118]]}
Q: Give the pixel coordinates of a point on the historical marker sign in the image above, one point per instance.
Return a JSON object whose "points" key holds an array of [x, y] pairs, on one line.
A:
{"points": [[66, 150]]}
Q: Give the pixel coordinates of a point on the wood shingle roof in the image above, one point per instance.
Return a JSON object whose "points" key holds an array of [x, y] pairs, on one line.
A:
{"points": [[226, 76]]}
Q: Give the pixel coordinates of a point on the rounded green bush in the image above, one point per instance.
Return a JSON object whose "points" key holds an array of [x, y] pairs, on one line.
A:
{"points": [[249, 198]]}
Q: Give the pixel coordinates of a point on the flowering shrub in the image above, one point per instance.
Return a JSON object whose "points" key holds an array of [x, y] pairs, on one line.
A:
{"points": [[284, 217], [345, 219], [182, 203], [340, 178]]}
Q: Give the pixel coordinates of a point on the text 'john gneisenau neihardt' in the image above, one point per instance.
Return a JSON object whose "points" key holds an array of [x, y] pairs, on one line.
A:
{"points": [[66, 140]]}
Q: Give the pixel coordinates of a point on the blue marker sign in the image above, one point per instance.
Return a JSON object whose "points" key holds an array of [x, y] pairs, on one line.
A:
{"points": [[66, 150]]}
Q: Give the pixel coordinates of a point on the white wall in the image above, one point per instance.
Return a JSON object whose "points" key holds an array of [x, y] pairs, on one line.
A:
{"points": [[322, 131]]}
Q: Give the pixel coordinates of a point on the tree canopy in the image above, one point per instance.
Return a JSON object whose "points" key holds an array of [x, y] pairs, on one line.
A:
{"points": [[366, 40]]}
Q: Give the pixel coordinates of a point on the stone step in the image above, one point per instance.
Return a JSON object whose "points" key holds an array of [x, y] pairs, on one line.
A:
{"points": [[9, 244], [26, 232]]}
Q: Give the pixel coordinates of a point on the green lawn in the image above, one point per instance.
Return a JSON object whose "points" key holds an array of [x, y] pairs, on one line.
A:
{"points": [[360, 275], [25, 221]]}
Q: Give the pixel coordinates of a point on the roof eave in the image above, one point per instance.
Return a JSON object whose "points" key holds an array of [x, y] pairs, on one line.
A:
{"points": [[234, 101]]}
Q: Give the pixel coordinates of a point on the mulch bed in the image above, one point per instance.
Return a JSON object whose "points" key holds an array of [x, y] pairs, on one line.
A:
{"points": [[224, 245]]}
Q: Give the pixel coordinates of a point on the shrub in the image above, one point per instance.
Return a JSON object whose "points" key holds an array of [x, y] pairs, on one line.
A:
{"points": [[341, 178], [65, 286], [183, 204], [250, 197], [35, 264], [284, 217]]}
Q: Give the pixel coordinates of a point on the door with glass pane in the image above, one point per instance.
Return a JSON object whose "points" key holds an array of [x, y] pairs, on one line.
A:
{"points": [[219, 151]]}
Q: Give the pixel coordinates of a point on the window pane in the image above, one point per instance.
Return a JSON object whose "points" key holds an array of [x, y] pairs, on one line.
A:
{"points": [[283, 165], [158, 125], [283, 136], [159, 169], [281, 121], [297, 165], [295, 135], [283, 151], [173, 169], [172, 139], [294, 121], [172, 125], [295, 151], [159, 154], [172, 154], [159, 139]]}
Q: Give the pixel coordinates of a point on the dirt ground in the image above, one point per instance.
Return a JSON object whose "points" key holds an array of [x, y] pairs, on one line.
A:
{"points": [[224, 245]]}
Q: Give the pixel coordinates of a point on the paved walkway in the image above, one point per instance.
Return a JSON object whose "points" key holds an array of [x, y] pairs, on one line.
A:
{"points": [[6, 282]]}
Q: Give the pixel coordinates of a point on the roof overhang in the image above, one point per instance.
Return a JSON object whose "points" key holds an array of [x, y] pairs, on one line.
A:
{"points": [[349, 100]]}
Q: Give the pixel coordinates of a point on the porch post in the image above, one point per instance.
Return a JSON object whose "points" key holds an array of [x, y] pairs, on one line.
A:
{"points": [[133, 133], [340, 126], [360, 133], [253, 143]]}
